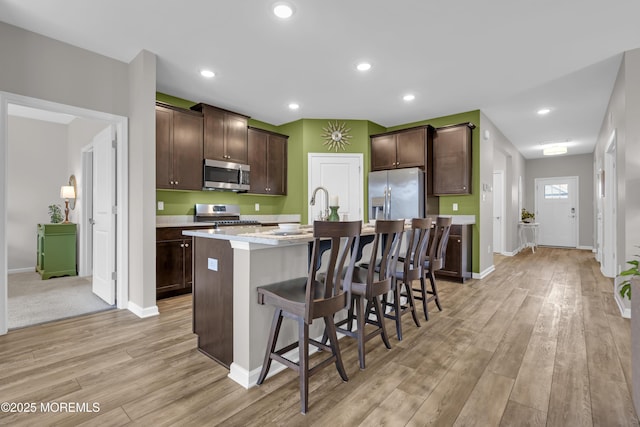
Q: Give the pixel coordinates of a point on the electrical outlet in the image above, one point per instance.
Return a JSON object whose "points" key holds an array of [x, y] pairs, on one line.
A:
{"points": [[212, 264], [160, 205], [257, 207], [455, 206]]}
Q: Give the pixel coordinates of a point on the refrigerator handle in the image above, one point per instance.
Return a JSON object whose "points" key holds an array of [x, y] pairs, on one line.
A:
{"points": [[384, 206], [388, 209]]}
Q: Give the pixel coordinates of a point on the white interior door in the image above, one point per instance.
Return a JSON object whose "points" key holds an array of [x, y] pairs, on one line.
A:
{"points": [[609, 230], [104, 219], [341, 175], [498, 211], [557, 211]]}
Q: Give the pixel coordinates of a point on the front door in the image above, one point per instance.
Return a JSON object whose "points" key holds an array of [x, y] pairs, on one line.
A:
{"points": [[341, 175], [557, 211], [104, 219]]}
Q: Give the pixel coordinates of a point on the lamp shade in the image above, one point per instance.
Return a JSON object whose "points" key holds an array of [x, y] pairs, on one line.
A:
{"points": [[67, 192]]}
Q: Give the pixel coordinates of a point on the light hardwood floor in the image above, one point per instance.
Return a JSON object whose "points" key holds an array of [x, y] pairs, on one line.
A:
{"points": [[538, 342]]}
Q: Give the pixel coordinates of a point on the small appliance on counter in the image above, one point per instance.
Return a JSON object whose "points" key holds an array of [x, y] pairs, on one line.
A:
{"points": [[221, 216]]}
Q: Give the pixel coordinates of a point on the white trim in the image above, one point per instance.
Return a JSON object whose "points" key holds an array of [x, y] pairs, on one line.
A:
{"points": [[484, 273], [85, 266], [586, 248], [513, 253], [122, 176], [22, 270], [624, 305], [142, 312], [577, 201]]}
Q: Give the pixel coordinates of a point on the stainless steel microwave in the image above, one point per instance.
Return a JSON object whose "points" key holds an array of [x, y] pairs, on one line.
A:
{"points": [[219, 175]]}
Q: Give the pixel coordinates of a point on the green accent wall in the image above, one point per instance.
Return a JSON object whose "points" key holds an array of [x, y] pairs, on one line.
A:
{"points": [[305, 136]]}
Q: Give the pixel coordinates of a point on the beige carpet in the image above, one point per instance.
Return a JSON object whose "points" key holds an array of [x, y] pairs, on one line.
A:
{"points": [[33, 301]]}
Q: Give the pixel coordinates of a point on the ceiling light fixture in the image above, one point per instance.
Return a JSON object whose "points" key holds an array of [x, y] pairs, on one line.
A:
{"points": [[544, 111], [554, 150], [283, 10], [363, 66], [293, 106], [207, 73], [409, 97]]}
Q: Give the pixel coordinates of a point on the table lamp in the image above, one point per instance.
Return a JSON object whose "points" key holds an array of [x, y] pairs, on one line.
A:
{"points": [[67, 192]]}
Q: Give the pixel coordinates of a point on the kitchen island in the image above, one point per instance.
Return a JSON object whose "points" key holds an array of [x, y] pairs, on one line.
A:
{"points": [[229, 264]]}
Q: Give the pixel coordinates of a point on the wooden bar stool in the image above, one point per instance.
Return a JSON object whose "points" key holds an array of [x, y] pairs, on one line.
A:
{"points": [[372, 283], [433, 263], [412, 269], [305, 299]]}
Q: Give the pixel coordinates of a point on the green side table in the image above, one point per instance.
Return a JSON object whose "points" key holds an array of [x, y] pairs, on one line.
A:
{"points": [[56, 250]]}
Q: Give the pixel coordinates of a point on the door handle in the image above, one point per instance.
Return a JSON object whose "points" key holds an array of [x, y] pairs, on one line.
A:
{"points": [[91, 221]]}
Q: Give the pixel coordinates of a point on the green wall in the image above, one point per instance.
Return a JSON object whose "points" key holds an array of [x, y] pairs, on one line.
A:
{"points": [[305, 136]]}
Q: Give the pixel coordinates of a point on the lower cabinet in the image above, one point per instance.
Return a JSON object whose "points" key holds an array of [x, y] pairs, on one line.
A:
{"points": [[173, 262], [457, 263], [56, 250], [213, 298]]}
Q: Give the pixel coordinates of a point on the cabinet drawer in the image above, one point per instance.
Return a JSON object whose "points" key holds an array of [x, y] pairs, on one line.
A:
{"points": [[175, 233]]}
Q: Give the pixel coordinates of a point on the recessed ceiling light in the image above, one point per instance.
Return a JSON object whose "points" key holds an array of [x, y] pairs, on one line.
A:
{"points": [[283, 10], [409, 97], [544, 111], [363, 66], [554, 150], [293, 106], [207, 73]]}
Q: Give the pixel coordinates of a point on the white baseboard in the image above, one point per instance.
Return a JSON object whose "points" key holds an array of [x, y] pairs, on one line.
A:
{"points": [[484, 273], [142, 312], [513, 253], [586, 248], [21, 270]]}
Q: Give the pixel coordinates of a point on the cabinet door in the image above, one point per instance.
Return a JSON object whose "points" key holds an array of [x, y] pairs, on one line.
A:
{"points": [[187, 151], [257, 157], [453, 257], [188, 263], [213, 133], [235, 138], [169, 265], [164, 165], [410, 148], [452, 161], [277, 165], [383, 152]]}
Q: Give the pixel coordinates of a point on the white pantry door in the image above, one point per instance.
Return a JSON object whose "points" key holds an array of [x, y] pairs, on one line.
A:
{"points": [[104, 218], [557, 211], [341, 175]]}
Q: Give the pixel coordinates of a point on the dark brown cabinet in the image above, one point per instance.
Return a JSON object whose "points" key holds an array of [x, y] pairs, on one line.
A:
{"points": [[457, 263], [178, 148], [452, 159], [268, 161], [406, 148], [225, 134], [213, 298]]}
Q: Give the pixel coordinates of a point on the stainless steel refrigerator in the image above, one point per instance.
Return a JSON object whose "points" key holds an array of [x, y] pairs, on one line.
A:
{"points": [[396, 194]]}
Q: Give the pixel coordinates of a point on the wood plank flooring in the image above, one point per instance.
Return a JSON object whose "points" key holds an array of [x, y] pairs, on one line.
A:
{"points": [[538, 342]]}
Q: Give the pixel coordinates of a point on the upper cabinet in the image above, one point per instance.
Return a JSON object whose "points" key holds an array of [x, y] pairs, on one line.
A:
{"points": [[225, 134], [178, 148], [401, 149], [452, 159], [268, 162]]}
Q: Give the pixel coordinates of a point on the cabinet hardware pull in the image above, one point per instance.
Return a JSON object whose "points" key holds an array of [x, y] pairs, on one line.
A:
{"points": [[182, 245], [186, 245]]}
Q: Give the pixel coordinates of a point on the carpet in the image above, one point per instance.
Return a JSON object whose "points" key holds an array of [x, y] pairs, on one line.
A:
{"points": [[33, 300]]}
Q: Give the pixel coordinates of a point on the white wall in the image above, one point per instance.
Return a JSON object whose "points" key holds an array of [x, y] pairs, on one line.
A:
{"points": [[37, 170], [580, 165]]}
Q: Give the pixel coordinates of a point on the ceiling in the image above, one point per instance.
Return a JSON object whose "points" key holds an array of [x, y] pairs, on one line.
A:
{"points": [[507, 58]]}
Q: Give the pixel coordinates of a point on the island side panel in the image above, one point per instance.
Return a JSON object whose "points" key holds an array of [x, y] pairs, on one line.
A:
{"points": [[213, 298]]}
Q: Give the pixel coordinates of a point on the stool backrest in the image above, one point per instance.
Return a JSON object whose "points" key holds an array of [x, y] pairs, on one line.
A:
{"points": [[344, 237], [438, 245], [389, 237], [417, 249]]}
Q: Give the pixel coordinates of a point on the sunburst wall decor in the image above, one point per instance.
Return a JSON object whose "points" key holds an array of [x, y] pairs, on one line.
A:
{"points": [[336, 136]]}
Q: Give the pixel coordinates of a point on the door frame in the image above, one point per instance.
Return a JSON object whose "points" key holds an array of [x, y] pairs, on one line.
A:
{"points": [[358, 156], [577, 201], [120, 123], [610, 237], [85, 245], [503, 223]]}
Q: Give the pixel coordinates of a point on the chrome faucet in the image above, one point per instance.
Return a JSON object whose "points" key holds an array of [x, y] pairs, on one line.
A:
{"points": [[312, 202]]}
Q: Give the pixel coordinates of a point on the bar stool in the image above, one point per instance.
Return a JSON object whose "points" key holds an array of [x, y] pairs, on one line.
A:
{"points": [[412, 269], [305, 299], [433, 263], [371, 284]]}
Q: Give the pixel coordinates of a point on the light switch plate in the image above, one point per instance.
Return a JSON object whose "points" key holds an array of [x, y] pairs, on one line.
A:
{"points": [[160, 205], [212, 264], [455, 206]]}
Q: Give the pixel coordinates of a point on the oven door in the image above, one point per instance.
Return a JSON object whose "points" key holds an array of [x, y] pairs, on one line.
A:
{"points": [[228, 176]]}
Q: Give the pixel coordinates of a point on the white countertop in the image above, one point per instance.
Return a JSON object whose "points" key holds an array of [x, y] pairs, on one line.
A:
{"points": [[187, 220], [462, 219]]}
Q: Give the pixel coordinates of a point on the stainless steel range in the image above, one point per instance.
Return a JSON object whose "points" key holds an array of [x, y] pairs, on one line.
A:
{"points": [[221, 215]]}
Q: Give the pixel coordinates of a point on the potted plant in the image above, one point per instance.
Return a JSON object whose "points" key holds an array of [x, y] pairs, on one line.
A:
{"points": [[527, 216], [55, 212], [630, 273]]}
